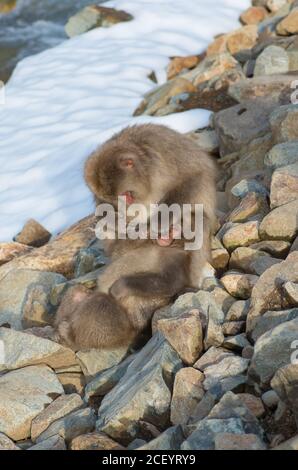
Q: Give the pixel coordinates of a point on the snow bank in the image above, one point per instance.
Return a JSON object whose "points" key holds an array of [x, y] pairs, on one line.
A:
{"points": [[62, 103]]}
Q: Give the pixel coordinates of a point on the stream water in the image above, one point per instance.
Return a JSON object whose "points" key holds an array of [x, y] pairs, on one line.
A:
{"points": [[33, 26]]}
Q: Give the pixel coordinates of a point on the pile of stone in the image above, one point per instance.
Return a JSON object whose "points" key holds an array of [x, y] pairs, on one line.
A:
{"points": [[221, 368]]}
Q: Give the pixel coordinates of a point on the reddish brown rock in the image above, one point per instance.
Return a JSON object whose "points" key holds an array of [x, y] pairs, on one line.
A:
{"points": [[59, 254], [187, 393], [178, 64], [289, 25], [228, 441], [253, 403], [11, 250], [94, 441], [33, 234]]}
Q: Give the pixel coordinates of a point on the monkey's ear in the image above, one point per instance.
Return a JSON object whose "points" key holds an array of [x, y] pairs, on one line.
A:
{"points": [[126, 162]]}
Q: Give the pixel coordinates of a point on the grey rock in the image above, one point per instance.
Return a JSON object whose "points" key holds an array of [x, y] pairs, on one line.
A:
{"points": [[142, 393], [25, 298], [270, 399], [239, 125], [282, 154], [103, 382], [228, 367], [273, 60], [70, 426], [285, 384], [23, 395], [203, 438], [283, 122], [171, 439], [52, 443], [271, 319], [272, 351], [93, 361]]}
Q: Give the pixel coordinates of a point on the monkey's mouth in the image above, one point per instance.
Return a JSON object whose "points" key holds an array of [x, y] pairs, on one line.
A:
{"points": [[129, 197]]}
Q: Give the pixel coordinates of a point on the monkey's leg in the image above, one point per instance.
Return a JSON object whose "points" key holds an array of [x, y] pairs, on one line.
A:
{"points": [[97, 322]]}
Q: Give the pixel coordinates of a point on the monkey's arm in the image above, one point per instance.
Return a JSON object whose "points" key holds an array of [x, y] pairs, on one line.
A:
{"points": [[168, 282]]}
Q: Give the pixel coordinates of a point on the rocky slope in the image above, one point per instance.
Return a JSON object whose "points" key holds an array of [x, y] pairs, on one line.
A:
{"points": [[221, 368]]}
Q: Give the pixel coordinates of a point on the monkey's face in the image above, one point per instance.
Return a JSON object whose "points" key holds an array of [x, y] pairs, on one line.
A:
{"points": [[118, 172]]}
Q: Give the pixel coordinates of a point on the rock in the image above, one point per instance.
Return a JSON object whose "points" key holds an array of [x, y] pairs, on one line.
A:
{"points": [[273, 60], [238, 40], [275, 5], [214, 335], [276, 87], [103, 382], [281, 223], [228, 367], [187, 393], [237, 126], [242, 234], [271, 319], [238, 311], [171, 439], [251, 261], [185, 335], [203, 438], [283, 122], [253, 403], [23, 395], [237, 343], [245, 187], [229, 441], [52, 443], [179, 64], [11, 250], [238, 284], [70, 426], [282, 155], [94, 361], [159, 97], [231, 406], [142, 393], [291, 291], [294, 246], [220, 258], [253, 15], [276, 248], [248, 352], [94, 16], [233, 328], [94, 441], [290, 444], [210, 68], [73, 382], [7, 5], [59, 408], [211, 357], [268, 294], [33, 234], [251, 205], [285, 384], [23, 349], [25, 298], [59, 255], [270, 399], [206, 140], [273, 350], [284, 185], [6, 443], [288, 25]]}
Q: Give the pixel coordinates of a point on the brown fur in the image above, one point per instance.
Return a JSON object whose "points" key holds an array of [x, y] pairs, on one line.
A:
{"points": [[164, 166]]}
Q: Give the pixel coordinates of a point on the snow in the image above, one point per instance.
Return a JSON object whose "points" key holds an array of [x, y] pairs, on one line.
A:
{"points": [[62, 103]]}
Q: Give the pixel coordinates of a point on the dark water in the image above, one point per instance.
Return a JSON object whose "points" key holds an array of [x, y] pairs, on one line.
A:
{"points": [[35, 25]]}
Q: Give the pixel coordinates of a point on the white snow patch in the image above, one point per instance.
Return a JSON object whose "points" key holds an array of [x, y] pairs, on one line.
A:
{"points": [[62, 103]]}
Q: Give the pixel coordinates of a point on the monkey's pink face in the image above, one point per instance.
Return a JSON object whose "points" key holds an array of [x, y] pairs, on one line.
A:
{"points": [[125, 178]]}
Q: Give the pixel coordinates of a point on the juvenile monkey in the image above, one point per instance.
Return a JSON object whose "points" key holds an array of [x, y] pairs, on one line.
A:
{"points": [[147, 164]]}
